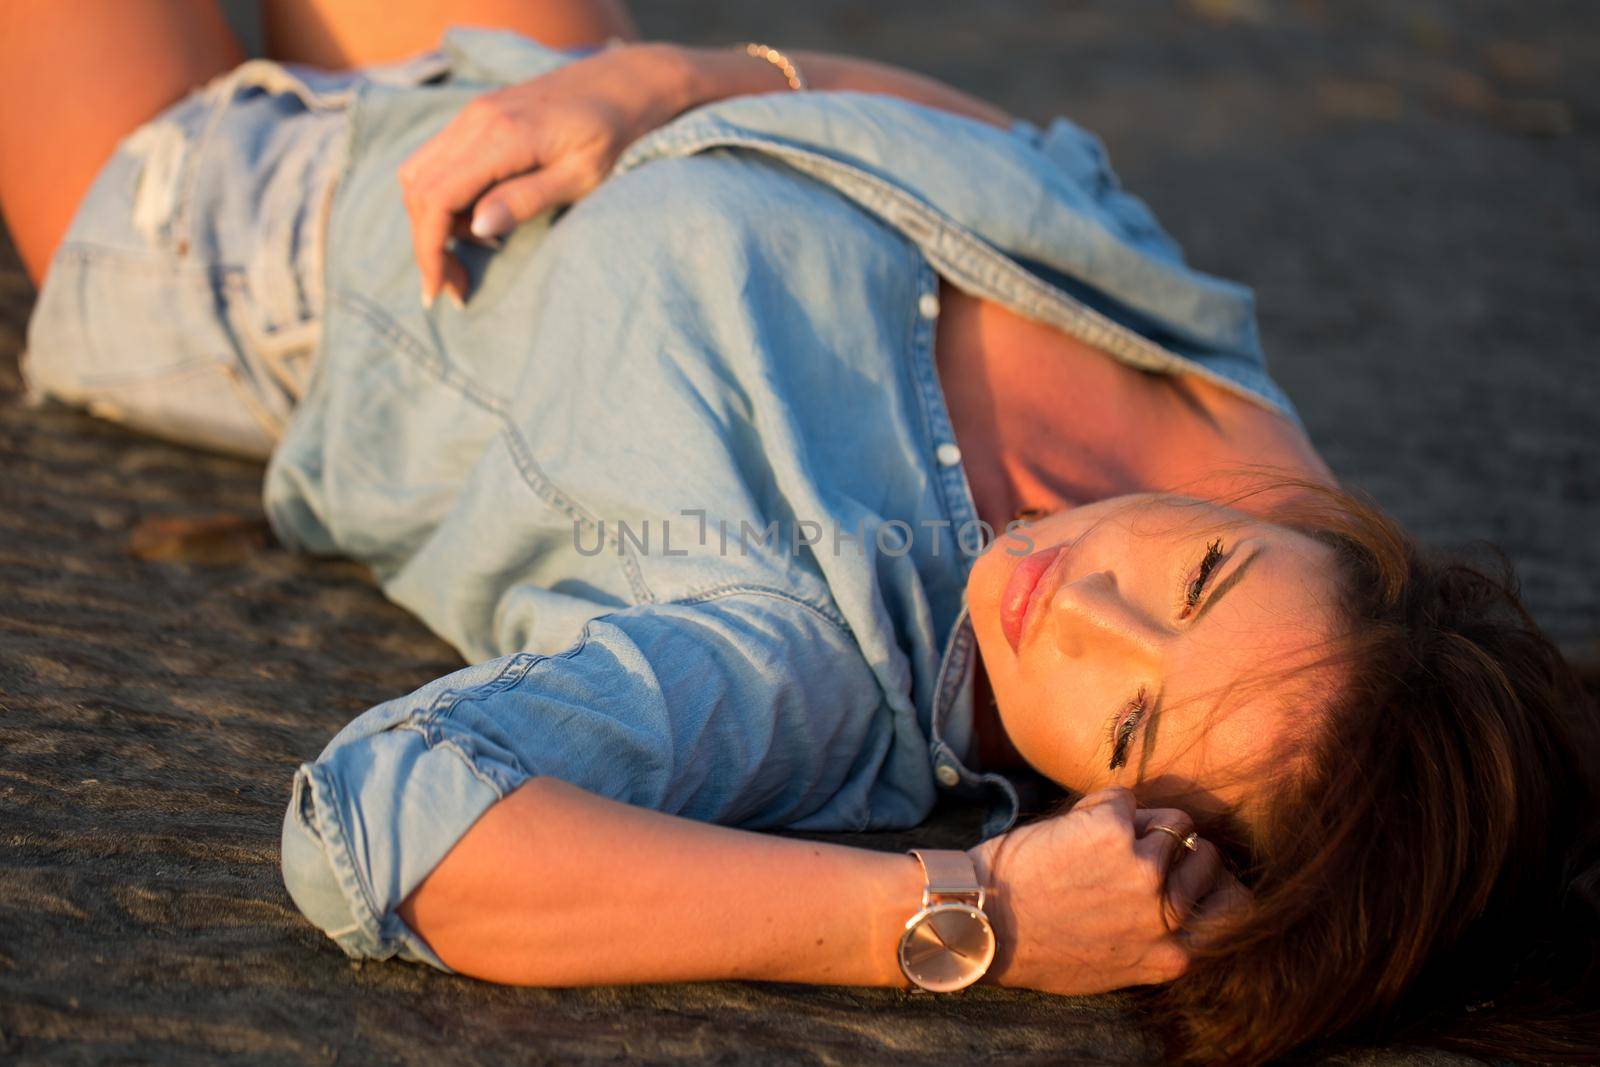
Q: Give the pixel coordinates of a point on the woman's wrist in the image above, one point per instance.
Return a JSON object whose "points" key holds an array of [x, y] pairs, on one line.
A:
{"points": [[711, 74], [842, 923], [997, 906], [686, 76], [664, 76]]}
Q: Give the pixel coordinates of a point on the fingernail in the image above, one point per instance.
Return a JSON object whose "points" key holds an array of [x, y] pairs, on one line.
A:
{"points": [[427, 298], [455, 298], [491, 220]]}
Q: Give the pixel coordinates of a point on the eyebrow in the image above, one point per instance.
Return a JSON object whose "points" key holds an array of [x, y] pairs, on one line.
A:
{"points": [[1220, 590]]}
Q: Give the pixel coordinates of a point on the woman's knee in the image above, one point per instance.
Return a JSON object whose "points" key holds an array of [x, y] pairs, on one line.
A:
{"points": [[353, 33], [74, 80]]}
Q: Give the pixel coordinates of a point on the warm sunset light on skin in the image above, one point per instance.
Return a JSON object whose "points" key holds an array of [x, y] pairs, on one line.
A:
{"points": [[1150, 609]]}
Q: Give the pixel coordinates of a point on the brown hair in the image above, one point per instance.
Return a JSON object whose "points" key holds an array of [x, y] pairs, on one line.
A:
{"points": [[1429, 872]]}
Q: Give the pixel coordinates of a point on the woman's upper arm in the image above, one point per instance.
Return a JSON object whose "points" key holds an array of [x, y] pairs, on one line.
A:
{"points": [[749, 709]]}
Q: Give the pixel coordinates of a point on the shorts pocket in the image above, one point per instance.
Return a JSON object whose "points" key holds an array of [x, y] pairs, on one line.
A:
{"points": [[197, 404], [136, 339]]}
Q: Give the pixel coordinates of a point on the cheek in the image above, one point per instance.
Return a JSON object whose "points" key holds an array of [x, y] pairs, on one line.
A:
{"points": [[1055, 720], [1206, 760]]}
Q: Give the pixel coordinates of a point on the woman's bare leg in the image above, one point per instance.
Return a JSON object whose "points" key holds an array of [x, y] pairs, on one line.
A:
{"points": [[335, 34], [75, 78]]}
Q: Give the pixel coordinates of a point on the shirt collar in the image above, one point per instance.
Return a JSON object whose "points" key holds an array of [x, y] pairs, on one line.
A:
{"points": [[953, 744]]}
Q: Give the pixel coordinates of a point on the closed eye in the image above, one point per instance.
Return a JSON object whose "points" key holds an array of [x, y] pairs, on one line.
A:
{"points": [[1124, 726], [1202, 574]]}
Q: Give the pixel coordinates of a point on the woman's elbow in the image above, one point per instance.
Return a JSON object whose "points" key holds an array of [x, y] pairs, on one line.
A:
{"points": [[310, 877], [366, 824]]}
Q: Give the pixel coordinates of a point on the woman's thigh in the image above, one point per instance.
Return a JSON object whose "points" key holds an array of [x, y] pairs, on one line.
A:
{"points": [[77, 77], [350, 33]]}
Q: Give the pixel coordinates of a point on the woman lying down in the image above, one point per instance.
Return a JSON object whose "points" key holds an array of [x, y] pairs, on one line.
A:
{"points": [[800, 440]]}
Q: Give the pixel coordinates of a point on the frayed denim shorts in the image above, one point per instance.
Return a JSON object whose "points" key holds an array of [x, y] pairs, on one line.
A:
{"points": [[185, 298]]}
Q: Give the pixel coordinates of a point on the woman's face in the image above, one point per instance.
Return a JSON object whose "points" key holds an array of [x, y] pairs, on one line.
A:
{"points": [[1112, 633]]}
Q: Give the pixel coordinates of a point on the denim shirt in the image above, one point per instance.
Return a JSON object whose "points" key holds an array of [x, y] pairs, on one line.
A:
{"points": [[680, 480]]}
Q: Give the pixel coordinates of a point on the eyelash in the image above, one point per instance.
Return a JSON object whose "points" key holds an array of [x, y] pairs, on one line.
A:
{"points": [[1123, 728], [1191, 597]]}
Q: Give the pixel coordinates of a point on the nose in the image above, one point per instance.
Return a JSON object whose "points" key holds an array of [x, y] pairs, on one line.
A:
{"points": [[1091, 614]]}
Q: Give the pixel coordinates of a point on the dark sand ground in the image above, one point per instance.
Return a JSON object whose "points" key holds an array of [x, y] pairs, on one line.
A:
{"points": [[1412, 188]]}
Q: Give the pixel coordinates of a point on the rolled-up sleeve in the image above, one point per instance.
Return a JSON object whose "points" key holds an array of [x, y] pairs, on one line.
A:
{"points": [[750, 709]]}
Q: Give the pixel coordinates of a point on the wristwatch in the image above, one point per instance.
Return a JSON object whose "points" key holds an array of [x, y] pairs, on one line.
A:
{"points": [[948, 944]]}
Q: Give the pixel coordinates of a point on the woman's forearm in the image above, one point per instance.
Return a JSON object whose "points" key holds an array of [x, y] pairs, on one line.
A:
{"points": [[557, 886], [711, 74], [528, 147]]}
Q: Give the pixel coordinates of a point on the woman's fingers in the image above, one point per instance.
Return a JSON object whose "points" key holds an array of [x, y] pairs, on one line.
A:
{"points": [[482, 145], [1227, 894], [1176, 818], [505, 206], [455, 281], [516, 200], [1115, 798], [1173, 866], [1195, 875], [515, 152], [429, 233], [1161, 834], [435, 209]]}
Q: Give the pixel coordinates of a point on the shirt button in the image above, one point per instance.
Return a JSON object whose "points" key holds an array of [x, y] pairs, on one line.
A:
{"points": [[948, 776], [949, 455], [928, 306]]}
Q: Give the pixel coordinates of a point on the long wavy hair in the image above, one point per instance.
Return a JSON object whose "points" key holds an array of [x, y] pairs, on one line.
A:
{"points": [[1428, 869]]}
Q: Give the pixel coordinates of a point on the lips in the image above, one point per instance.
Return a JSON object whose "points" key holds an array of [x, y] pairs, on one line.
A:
{"points": [[1017, 597]]}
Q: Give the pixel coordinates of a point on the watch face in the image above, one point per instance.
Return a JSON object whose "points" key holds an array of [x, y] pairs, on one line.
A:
{"points": [[947, 947]]}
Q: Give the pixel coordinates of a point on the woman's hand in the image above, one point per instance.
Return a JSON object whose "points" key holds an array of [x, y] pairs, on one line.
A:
{"points": [[522, 150], [1083, 903], [515, 152]]}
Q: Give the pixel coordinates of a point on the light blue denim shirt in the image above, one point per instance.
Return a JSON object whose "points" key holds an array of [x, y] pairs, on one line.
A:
{"points": [[680, 480]]}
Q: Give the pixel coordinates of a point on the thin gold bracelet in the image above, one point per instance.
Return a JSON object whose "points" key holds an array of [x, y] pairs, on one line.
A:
{"points": [[791, 73]]}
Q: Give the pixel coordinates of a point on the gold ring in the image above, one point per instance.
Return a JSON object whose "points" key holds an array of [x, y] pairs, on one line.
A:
{"points": [[1188, 841]]}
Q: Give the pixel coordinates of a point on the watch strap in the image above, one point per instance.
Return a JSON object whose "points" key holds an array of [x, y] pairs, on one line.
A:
{"points": [[948, 872]]}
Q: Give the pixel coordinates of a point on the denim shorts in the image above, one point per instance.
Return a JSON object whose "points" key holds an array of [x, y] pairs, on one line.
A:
{"points": [[185, 298]]}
